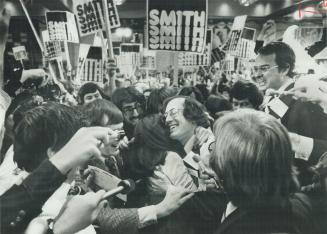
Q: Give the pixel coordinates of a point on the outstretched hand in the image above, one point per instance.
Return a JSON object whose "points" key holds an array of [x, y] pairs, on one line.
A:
{"points": [[79, 212], [175, 197]]}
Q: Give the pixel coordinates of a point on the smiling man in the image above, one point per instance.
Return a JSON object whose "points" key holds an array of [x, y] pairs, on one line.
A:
{"points": [[89, 92], [274, 65], [182, 116]]}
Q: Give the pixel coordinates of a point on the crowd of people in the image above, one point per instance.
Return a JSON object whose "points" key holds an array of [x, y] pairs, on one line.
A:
{"points": [[215, 155], [261, 157]]}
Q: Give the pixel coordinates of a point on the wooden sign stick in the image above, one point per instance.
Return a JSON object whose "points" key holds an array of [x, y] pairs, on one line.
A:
{"points": [[32, 26], [108, 29]]}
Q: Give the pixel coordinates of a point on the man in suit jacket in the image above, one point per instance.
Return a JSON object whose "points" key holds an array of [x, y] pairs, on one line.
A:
{"points": [[274, 67]]}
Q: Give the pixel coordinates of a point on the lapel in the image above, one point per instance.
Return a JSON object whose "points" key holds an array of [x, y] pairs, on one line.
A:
{"points": [[231, 219]]}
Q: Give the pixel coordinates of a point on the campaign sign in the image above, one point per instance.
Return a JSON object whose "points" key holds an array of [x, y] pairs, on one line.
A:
{"points": [[236, 33], [177, 25], [90, 16], [61, 26], [148, 60], [19, 53], [92, 71], [186, 59]]}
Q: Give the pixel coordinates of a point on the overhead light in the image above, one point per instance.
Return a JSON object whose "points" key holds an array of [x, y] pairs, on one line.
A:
{"points": [[247, 3], [119, 2], [124, 32]]}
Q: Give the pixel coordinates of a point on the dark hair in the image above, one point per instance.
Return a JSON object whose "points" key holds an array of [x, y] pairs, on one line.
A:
{"points": [[253, 158], [189, 90], [216, 104], [127, 95], [18, 100], [285, 57], [150, 147], [47, 126], [156, 99], [204, 91], [22, 108], [222, 87], [13, 115], [97, 109], [86, 89], [246, 90], [193, 111]]}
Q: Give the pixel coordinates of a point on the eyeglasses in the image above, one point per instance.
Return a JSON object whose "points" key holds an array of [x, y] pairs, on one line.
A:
{"points": [[173, 113], [263, 68], [130, 109]]}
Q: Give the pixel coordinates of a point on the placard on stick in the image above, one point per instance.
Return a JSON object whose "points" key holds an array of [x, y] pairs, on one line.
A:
{"points": [[62, 26], [90, 16], [236, 33], [129, 58], [93, 65], [52, 49], [148, 60], [179, 25], [19, 53], [187, 59]]}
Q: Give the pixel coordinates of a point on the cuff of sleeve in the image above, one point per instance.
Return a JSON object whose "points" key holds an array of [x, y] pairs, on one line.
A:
{"points": [[147, 216], [305, 148]]}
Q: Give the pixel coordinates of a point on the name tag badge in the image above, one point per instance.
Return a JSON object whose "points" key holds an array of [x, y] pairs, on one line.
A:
{"points": [[278, 106]]}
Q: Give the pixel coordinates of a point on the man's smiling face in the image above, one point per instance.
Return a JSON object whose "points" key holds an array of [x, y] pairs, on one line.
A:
{"points": [[180, 128]]}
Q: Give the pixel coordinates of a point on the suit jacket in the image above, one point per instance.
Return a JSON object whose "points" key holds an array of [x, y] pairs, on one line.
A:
{"points": [[295, 217], [200, 214], [306, 119], [20, 204]]}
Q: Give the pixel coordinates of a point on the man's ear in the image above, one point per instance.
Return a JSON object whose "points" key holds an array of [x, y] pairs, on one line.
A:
{"points": [[284, 71]]}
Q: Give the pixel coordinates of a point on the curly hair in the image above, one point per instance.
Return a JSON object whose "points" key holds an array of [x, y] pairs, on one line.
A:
{"points": [[156, 99], [88, 88], [246, 90], [189, 90], [127, 95]]}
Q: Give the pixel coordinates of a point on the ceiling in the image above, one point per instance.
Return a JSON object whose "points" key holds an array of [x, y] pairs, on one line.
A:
{"points": [[137, 8]]}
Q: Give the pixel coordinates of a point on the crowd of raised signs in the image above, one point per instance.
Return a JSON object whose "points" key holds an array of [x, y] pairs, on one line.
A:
{"points": [[211, 152]]}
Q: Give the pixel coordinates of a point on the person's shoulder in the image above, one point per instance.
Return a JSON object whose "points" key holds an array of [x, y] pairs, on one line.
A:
{"points": [[302, 210]]}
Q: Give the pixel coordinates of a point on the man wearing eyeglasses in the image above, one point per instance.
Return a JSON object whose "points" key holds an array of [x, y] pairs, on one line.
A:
{"points": [[132, 104], [183, 115], [274, 68]]}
